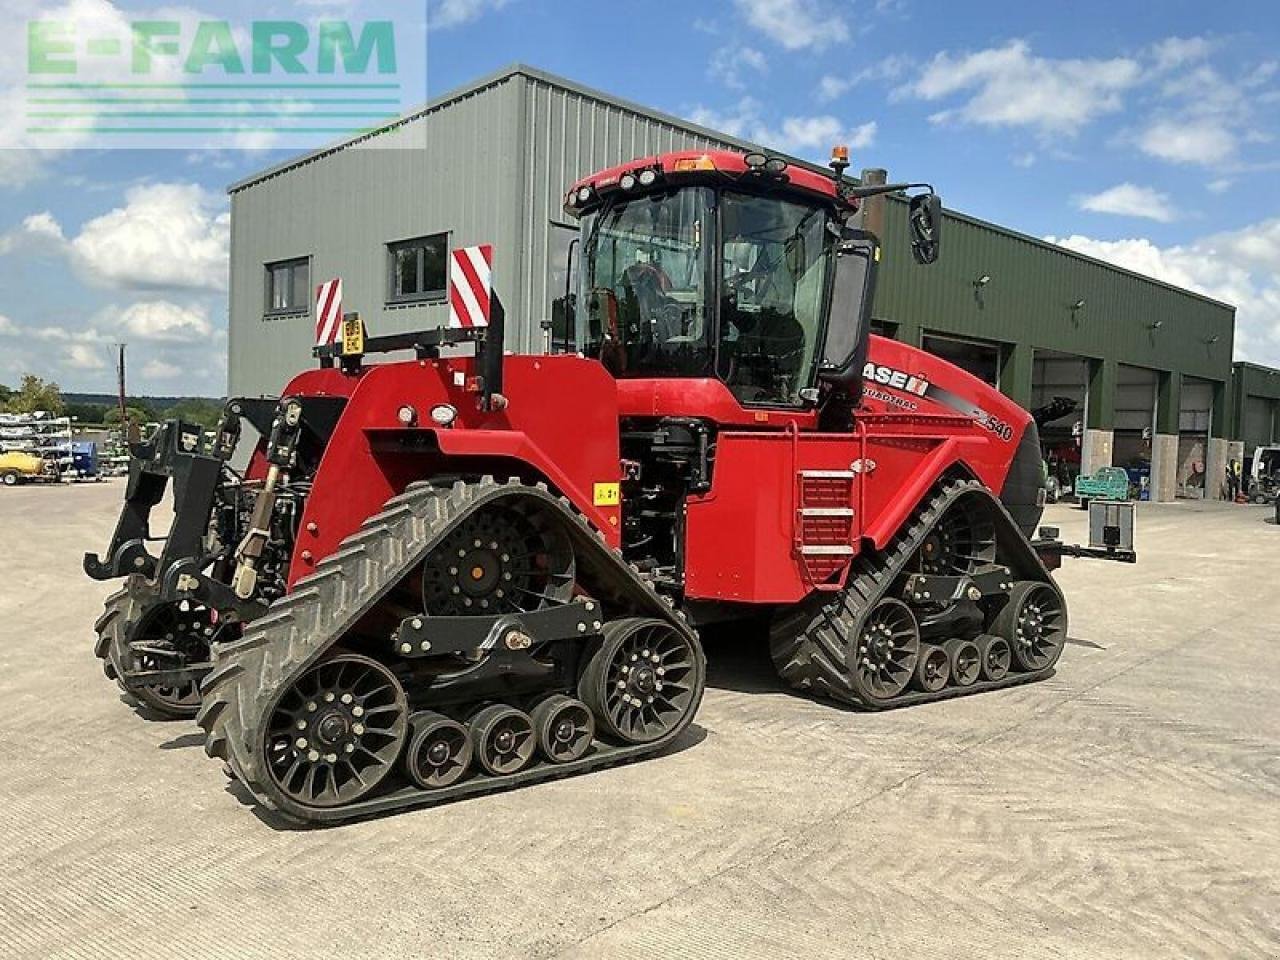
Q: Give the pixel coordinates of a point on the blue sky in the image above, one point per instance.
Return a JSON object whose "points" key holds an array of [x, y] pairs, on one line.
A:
{"points": [[1143, 133]]}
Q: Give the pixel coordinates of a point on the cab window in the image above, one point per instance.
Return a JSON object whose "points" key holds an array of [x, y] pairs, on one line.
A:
{"points": [[772, 283]]}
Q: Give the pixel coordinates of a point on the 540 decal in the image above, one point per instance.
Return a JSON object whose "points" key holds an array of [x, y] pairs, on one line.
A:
{"points": [[920, 386]]}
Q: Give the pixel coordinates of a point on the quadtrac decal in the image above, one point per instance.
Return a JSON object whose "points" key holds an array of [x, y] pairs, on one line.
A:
{"points": [[917, 386]]}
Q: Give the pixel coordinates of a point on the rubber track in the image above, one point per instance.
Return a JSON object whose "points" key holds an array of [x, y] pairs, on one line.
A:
{"points": [[810, 642], [251, 673]]}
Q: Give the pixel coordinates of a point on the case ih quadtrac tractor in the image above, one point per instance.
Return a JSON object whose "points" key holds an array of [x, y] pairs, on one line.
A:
{"points": [[456, 573]]}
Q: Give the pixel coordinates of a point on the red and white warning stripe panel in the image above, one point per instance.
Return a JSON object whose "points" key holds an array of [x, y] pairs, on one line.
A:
{"points": [[470, 282], [328, 312]]}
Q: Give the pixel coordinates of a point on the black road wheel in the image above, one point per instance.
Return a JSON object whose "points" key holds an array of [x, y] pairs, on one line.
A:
{"points": [[933, 668], [966, 661], [962, 540], [887, 652], [170, 636], [643, 680], [336, 733], [1034, 621], [10, 478], [500, 559], [564, 728], [439, 751], [502, 739], [996, 656]]}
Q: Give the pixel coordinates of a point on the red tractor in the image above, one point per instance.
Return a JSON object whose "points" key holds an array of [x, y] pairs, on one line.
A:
{"points": [[366, 619]]}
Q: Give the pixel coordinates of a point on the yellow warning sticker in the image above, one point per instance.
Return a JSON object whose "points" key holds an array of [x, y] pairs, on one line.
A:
{"points": [[352, 335], [607, 495]]}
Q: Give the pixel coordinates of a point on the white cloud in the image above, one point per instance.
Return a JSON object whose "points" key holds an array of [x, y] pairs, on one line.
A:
{"points": [[7, 327], [84, 356], [158, 369], [1173, 52], [831, 87], [454, 13], [1240, 267], [1010, 86], [1221, 185], [1204, 141], [1025, 160], [728, 64], [1131, 200], [796, 24], [159, 321], [166, 236], [794, 134], [43, 225]]}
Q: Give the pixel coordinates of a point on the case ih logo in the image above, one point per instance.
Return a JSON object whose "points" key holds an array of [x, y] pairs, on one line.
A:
{"points": [[896, 379]]}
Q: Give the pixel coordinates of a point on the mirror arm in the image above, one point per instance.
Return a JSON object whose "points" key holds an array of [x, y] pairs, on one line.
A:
{"points": [[859, 193]]}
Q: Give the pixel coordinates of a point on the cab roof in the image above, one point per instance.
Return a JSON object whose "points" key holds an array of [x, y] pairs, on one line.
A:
{"points": [[707, 166]]}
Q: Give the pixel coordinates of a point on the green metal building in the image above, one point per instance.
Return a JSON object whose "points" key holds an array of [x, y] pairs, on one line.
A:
{"points": [[1144, 368]]}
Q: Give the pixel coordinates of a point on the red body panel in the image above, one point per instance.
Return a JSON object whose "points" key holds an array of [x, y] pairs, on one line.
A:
{"points": [[920, 417], [744, 536], [371, 456]]}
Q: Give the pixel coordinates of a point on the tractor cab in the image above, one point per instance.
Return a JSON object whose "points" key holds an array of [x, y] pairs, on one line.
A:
{"points": [[738, 271]]}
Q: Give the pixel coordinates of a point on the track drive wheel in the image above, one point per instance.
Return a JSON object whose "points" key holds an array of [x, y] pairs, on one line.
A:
{"points": [[439, 751], [502, 739], [336, 733], [996, 656], [933, 668], [966, 661], [564, 728], [888, 651], [1034, 621], [642, 681]]}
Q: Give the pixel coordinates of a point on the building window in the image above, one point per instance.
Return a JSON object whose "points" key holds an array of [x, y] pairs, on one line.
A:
{"points": [[419, 269], [289, 286]]}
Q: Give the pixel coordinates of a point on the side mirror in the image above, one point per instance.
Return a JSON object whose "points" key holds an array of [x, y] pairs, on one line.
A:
{"points": [[925, 219], [852, 292]]}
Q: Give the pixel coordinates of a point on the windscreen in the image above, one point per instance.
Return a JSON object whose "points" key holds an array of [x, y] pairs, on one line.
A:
{"points": [[642, 303], [773, 283]]}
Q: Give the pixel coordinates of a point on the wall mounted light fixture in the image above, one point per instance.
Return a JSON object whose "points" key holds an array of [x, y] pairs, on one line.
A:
{"points": [[982, 281]]}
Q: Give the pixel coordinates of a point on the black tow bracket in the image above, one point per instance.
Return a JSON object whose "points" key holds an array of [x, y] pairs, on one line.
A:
{"points": [[476, 637], [184, 580], [172, 451], [987, 581]]}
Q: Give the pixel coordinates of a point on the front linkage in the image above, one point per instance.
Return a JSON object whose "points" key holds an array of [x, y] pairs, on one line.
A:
{"points": [[225, 556]]}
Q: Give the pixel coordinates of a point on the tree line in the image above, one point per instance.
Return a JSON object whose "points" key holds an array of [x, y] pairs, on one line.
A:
{"points": [[34, 394]]}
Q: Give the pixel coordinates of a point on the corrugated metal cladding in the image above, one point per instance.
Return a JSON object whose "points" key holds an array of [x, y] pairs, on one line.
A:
{"points": [[1255, 405], [452, 172], [1029, 299]]}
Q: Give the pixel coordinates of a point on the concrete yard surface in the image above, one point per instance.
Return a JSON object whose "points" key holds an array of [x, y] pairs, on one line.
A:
{"points": [[1127, 807]]}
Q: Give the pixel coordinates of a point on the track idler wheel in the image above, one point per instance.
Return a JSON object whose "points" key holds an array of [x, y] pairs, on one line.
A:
{"points": [[1034, 621], [337, 732], [887, 652], [996, 656], [933, 668], [643, 680], [564, 728], [502, 739], [966, 661], [439, 752]]}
